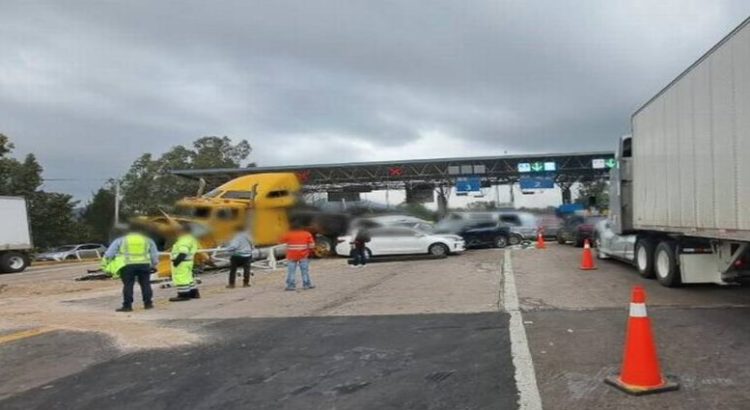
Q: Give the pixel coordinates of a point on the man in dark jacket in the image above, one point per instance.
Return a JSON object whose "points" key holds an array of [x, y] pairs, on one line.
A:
{"points": [[359, 248]]}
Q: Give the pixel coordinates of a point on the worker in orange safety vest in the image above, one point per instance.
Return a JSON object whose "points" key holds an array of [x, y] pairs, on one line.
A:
{"points": [[299, 244]]}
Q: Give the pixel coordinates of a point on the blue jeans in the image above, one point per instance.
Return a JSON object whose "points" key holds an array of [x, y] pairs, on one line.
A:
{"points": [[359, 256], [291, 270]]}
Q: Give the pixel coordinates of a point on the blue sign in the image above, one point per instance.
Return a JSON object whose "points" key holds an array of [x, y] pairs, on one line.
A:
{"points": [[468, 184], [529, 183]]}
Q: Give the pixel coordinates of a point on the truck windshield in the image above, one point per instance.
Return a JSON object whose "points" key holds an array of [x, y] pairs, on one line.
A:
{"points": [[198, 212]]}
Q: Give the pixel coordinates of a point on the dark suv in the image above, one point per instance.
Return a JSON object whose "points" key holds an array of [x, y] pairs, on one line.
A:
{"points": [[488, 234]]}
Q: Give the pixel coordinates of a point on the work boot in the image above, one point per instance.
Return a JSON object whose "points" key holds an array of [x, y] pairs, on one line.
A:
{"points": [[245, 284], [195, 294], [181, 297], [149, 305], [230, 286], [124, 309], [310, 286]]}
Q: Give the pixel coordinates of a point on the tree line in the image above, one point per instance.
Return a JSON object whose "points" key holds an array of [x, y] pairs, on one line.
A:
{"points": [[147, 187]]}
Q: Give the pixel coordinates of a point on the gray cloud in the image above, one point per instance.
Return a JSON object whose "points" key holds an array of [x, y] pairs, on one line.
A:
{"points": [[89, 85]]}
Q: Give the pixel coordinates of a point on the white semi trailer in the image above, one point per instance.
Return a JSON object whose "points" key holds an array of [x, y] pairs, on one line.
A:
{"points": [[681, 191], [15, 236]]}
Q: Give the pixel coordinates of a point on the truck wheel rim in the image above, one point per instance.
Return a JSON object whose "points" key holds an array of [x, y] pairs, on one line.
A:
{"points": [[322, 249], [16, 262], [662, 264], [501, 242], [642, 258]]}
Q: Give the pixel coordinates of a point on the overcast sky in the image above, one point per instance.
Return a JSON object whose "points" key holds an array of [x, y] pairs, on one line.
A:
{"points": [[89, 86]]}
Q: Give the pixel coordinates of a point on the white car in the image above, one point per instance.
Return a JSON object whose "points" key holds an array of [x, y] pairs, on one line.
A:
{"points": [[70, 252], [381, 221], [395, 240]]}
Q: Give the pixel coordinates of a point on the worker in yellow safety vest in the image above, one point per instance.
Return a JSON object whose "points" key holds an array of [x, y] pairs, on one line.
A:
{"points": [[132, 258], [112, 266], [183, 253]]}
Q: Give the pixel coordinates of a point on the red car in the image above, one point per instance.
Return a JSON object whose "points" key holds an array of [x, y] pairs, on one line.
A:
{"points": [[577, 228]]}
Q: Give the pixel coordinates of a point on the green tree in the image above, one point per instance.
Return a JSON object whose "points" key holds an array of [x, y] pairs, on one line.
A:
{"points": [[52, 220], [98, 214], [50, 214], [5, 145], [148, 186], [18, 178], [598, 191]]}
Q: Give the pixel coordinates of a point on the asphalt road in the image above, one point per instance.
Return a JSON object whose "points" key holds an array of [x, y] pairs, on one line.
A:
{"points": [[439, 361], [575, 322], [425, 334]]}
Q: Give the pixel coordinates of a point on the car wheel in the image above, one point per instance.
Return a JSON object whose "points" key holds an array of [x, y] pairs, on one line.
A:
{"points": [[560, 239], [665, 264], [438, 250], [515, 239], [644, 257], [12, 262], [501, 241], [70, 258]]}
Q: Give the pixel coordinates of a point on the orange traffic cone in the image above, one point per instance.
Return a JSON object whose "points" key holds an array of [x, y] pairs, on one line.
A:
{"points": [[587, 261], [540, 240], [640, 373]]}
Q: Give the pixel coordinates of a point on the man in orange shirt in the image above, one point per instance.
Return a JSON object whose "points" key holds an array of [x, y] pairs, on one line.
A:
{"points": [[298, 245]]}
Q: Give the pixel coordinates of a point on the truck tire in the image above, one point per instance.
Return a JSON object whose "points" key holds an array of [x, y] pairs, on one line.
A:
{"points": [[644, 257], [12, 262], [323, 246], [665, 264], [501, 241]]}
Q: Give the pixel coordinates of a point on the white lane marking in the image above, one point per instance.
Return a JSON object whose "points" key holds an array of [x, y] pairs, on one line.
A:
{"points": [[529, 398]]}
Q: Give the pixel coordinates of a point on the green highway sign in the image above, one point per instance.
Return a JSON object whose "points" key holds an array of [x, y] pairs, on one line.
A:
{"points": [[537, 166], [610, 163]]}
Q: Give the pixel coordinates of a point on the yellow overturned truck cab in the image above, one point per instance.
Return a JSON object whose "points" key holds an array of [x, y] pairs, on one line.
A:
{"points": [[259, 201]]}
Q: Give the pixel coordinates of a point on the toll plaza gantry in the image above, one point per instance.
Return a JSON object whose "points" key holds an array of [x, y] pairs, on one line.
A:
{"points": [[347, 180]]}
